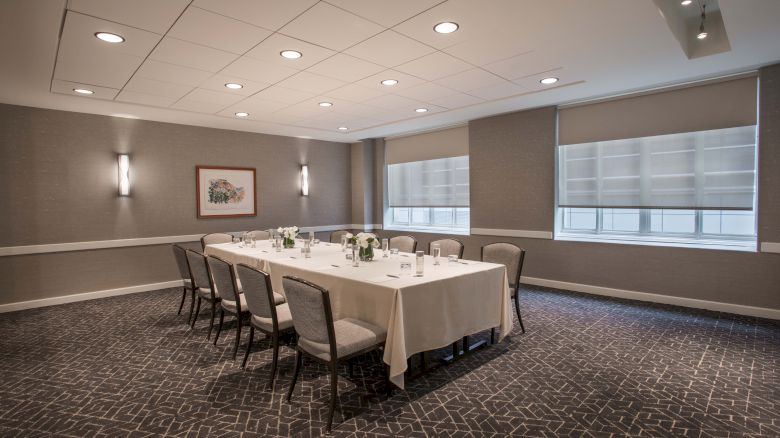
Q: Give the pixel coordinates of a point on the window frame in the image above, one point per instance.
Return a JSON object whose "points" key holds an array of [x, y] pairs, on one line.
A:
{"points": [[429, 226]]}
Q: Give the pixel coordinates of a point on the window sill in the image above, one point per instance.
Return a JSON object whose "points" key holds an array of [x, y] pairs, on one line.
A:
{"points": [[660, 241], [432, 230]]}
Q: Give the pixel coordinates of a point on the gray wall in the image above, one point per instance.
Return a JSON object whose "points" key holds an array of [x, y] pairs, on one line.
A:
{"points": [[58, 171]]}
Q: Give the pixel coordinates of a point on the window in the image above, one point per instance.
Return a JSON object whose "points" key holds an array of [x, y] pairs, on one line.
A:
{"points": [[447, 220]]}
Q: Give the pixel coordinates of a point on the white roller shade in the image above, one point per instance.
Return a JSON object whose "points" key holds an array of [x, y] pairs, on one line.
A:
{"points": [[442, 182], [713, 169], [453, 142]]}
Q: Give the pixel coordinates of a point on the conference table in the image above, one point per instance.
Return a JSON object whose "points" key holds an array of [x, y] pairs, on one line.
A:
{"points": [[420, 313]]}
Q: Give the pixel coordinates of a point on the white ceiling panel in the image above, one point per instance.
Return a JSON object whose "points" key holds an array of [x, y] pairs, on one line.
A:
{"points": [[522, 65], [217, 31], [375, 82], [473, 18], [470, 80], [426, 92], [301, 111], [269, 52], [255, 107], [187, 54], [162, 71], [434, 66], [346, 68], [66, 87], [270, 14], [340, 106], [84, 58], [394, 102], [330, 27], [144, 99], [197, 106], [152, 15], [499, 91], [211, 96], [355, 93], [218, 81], [384, 13], [157, 88], [288, 96], [488, 47], [311, 83], [389, 49], [457, 101], [258, 71]]}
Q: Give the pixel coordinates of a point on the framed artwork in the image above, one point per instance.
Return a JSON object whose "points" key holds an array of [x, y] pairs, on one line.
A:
{"points": [[225, 191]]}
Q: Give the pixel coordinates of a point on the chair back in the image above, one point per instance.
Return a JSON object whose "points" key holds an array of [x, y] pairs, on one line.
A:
{"points": [[210, 239], [508, 254], [404, 243], [260, 235], [180, 254], [224, 279], [335, 237], [310, 309], [258, 291], [199, 270], [448, 247]]}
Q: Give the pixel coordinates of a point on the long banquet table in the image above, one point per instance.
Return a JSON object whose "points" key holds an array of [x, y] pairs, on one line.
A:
{"points": [[449, 301]]}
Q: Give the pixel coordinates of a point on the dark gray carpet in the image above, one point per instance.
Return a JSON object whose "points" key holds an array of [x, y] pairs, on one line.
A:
{"points": [[588, 366]]}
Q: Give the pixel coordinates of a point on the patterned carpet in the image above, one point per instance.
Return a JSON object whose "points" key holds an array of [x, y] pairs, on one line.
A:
{"points": [[588, 366]]}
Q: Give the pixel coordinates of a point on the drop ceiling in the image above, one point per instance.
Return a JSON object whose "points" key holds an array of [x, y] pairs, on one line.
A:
{"points": [[178, 54]]}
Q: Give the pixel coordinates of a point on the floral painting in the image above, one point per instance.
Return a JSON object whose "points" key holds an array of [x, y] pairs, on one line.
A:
{"points": [[225, 191]]}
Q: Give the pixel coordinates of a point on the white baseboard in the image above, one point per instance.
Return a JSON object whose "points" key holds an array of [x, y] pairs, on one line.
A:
{"points": [[770, 247], [760, 312], [23, 305]]}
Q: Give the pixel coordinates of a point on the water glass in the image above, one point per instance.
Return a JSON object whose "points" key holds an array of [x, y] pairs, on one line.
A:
{"points": [[235, 239], [385, 245], [311, 236], [394, 253], [306, 249], [343, 243], [435, 252], [355, 258], [406, 268], [420, 264], [278, 243], [452, 258]]}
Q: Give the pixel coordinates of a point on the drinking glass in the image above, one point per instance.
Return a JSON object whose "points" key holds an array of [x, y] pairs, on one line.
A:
{"points": [[406, 268], [436, 252], [355, 258], [385, 245], [270, 234], [343, 243], [252, 240], [278, 243], [306, 249], [452, 258], [235, 239], [420, 265], [311, 236], [394, 253]]}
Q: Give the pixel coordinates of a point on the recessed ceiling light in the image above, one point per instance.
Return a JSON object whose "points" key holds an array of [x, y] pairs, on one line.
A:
{"points": [[291, 54], [389, 82], [234, 86], [343, 128], [326, 104], [109, 37], [686, 2], [83, 91], [548, 81], [242, 114], [421, 110], [446, 27], [701, 35]]}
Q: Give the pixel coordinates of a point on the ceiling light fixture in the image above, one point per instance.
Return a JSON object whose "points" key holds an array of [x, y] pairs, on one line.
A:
{"points": [[421, 110], [548, 81], [446, 27], [242, 114], [326, 104], [291, 54], [686, 2], [389, 82], [83, 91], [109, 37], [234, 86], [702, 33], [343, 128]]}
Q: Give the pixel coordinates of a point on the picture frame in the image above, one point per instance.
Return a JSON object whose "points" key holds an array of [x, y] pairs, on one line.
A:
{"points": [[225, 192]]}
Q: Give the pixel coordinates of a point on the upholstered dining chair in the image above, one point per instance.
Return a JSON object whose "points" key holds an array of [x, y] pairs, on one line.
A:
{"points": [[204, 287], [448, 247], [322, 339], [335, 237], [233, 301], [213, 238], [404, 243], [269, 312], [180, 254], [260, 235], [512, 256]]}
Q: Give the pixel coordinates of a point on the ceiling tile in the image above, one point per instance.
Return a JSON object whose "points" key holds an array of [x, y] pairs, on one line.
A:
{"points": [[389, 49], [270, 14], [499, 91], [434, 66], [523, 65], [66, 87], [218, 81], [456, 101], [395, 103], [375, 82], [198, 106], [355, 93], [152, 15], [300, 111], [340, 106], [84, 58], [285, 95], [531, 82], [162, 71], [488, 47], [204, 95], [426, 92], [144, 99], [470, 80], [345, 67], [473, 18], [255, 107], [312, 83], [258, 71], [331, 27], [269, 52], [217, 31], [384, 13], [174, 51], [157, 88]]}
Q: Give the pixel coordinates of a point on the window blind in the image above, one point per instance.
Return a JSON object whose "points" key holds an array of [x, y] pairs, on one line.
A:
{"points": [[442, 182], [445, 143]]}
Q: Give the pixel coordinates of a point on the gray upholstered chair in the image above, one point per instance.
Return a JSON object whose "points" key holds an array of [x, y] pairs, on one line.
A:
{"points": [[404, 243], [323, 339], [269, 313], [448, 247], [260, 235], [233, 301], [511, 256], [210, 239], [335, 237], [204, 287], [180, 254]]}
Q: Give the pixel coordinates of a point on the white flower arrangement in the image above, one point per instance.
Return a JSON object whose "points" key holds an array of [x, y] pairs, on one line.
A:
{"points": [[364, 240], [288, 232]]}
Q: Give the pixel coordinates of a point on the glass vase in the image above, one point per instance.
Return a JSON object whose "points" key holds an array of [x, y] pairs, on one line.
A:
{"points": [[367, 254], [289, 243]]}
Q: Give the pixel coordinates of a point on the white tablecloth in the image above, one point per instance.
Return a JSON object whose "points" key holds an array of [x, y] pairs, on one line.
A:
{"points": [[449, 301]]}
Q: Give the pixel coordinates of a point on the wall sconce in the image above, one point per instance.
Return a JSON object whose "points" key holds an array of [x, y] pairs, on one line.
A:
{"points": [[123, 166], [305, 180]]}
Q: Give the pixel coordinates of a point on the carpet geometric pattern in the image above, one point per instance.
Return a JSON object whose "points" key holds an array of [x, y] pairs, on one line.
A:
{"points": [[128, 366]]}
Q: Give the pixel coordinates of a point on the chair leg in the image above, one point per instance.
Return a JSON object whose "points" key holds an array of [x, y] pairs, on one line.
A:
{"points": [[388, 385], [466, 344], [219, 328], [192, 305], [211, 324], [238, 336], [455, 350], [334, 392], [298, 360], [517, 309], [275, 359], [195, 316], [183, 296], [351, 368], [493, 335], [249, 345]]}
